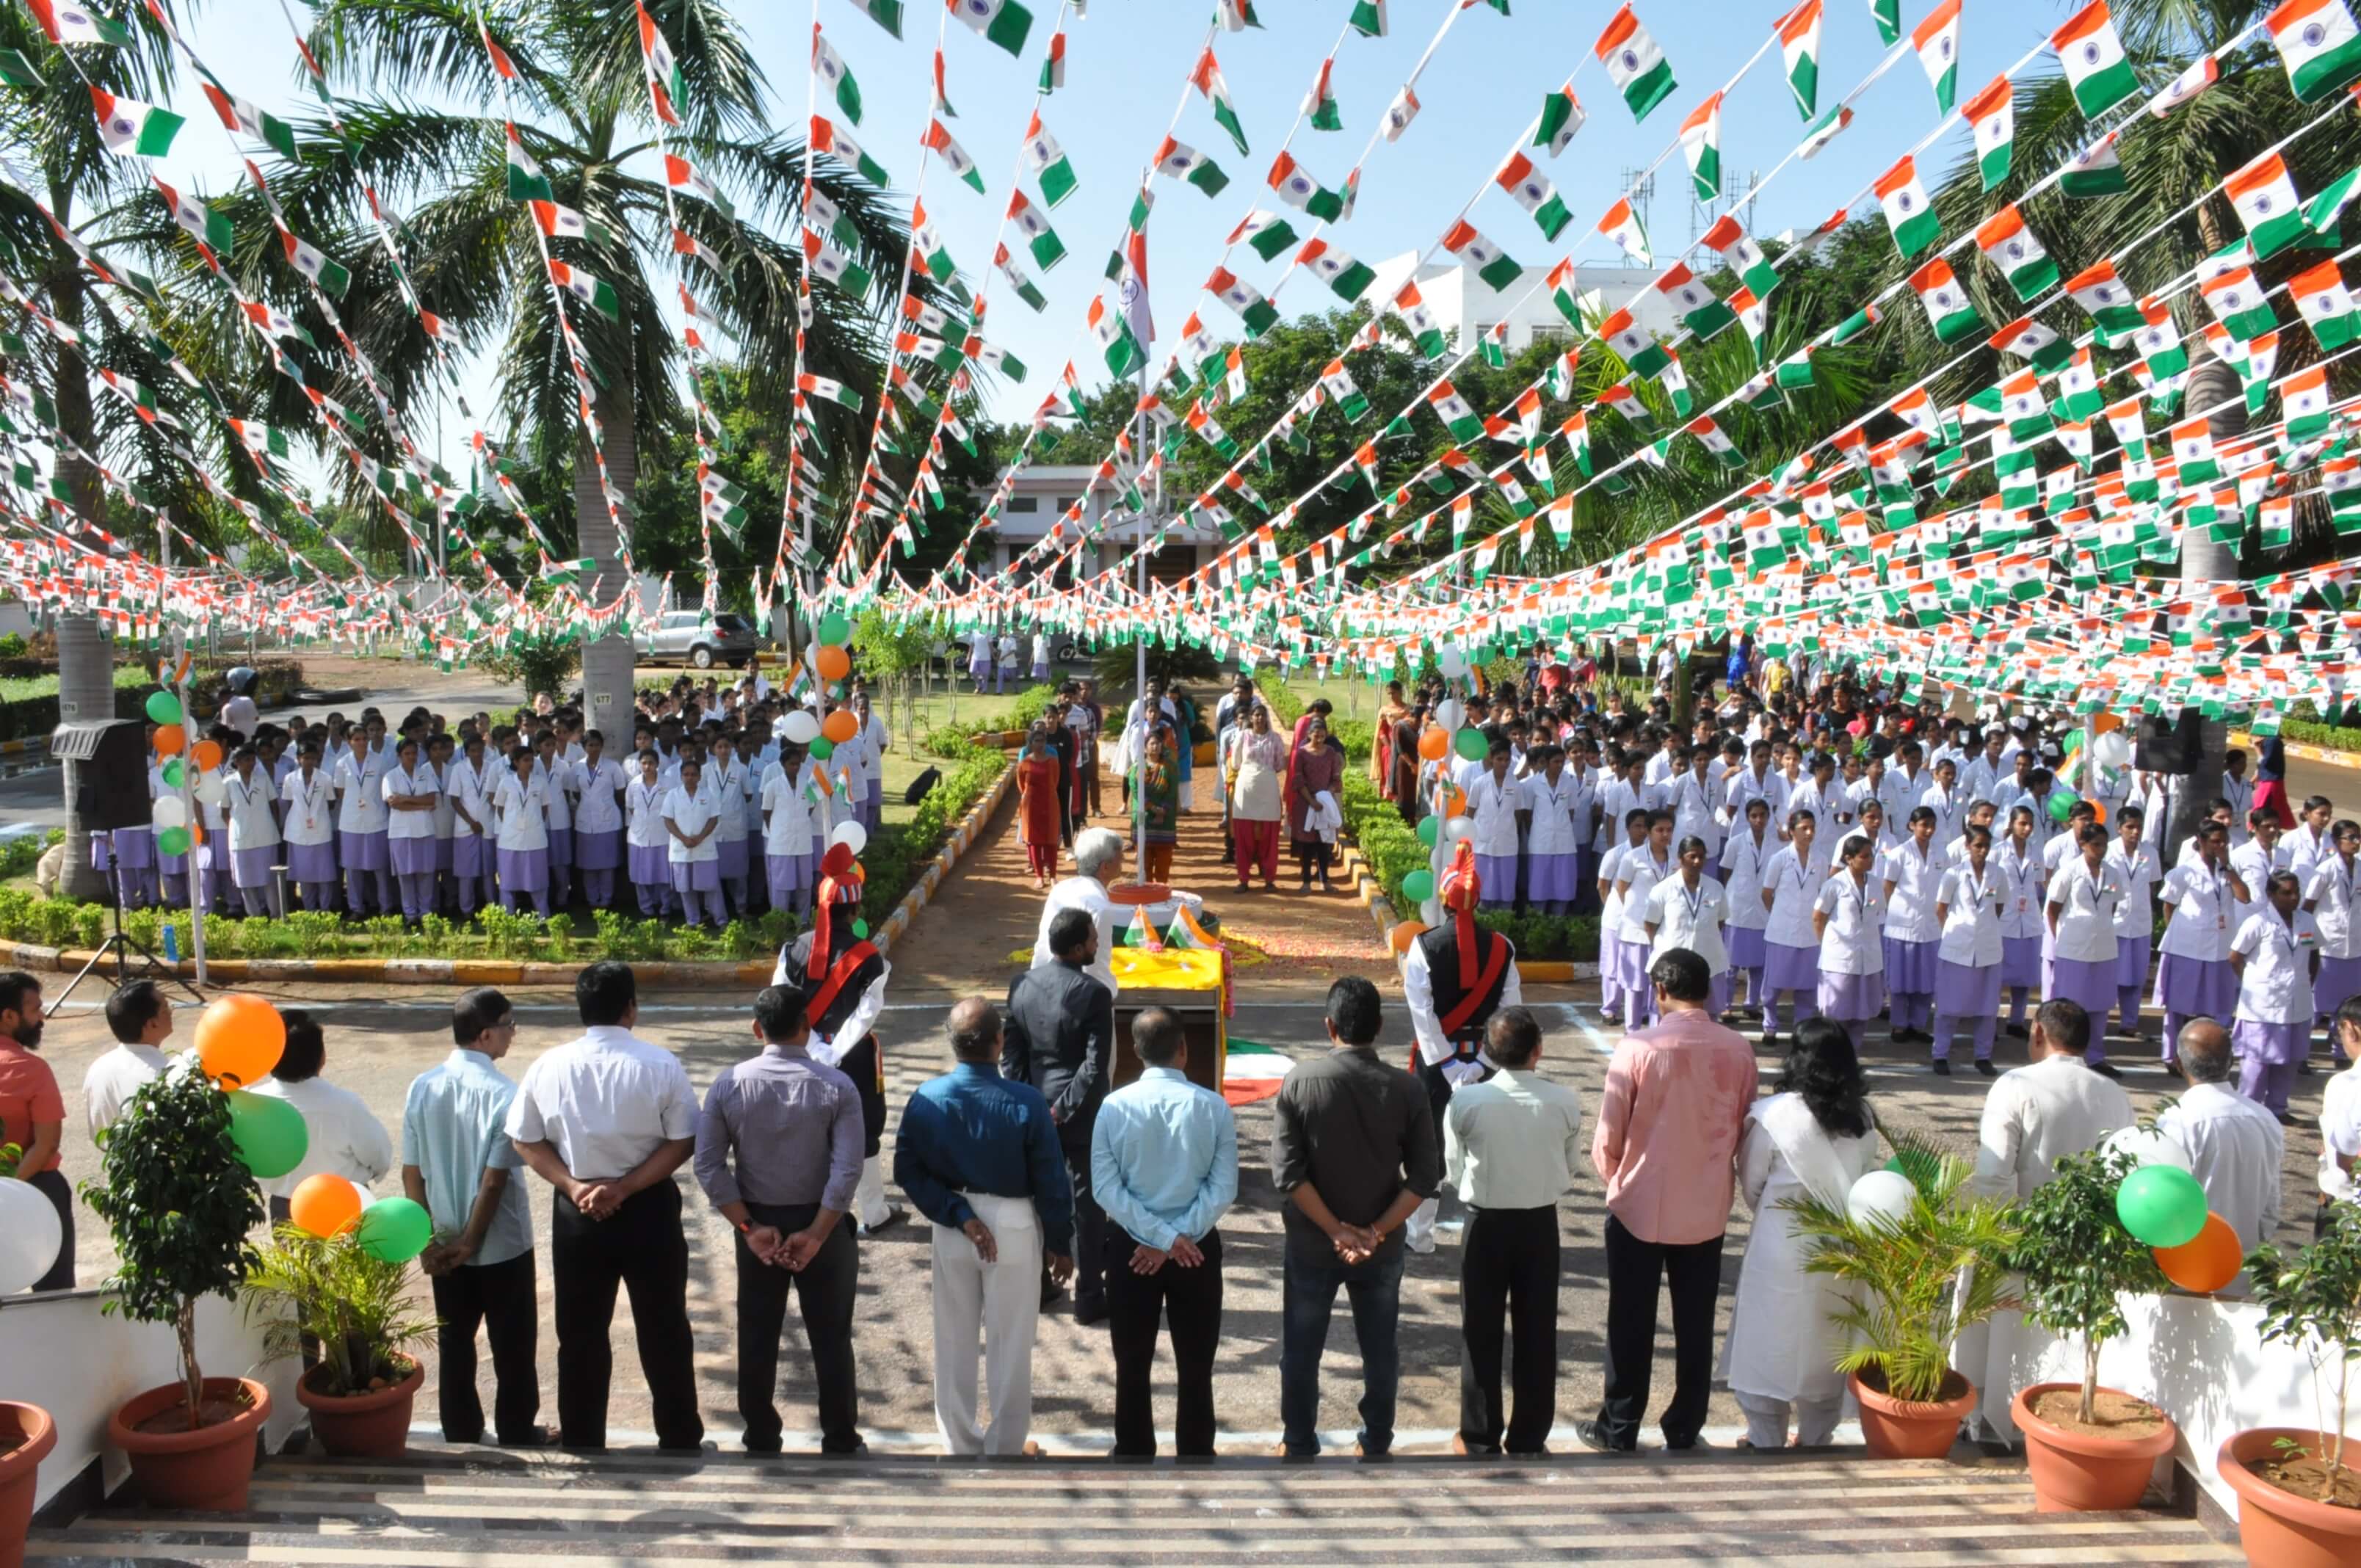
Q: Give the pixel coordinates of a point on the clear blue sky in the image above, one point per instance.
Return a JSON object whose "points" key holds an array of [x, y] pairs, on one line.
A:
{"points": [[1128, 61]]}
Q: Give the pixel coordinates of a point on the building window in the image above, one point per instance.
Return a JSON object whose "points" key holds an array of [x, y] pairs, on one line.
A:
{"points": [[1022, 504], [1066, 504], [1484, 329], [1548, 332]]}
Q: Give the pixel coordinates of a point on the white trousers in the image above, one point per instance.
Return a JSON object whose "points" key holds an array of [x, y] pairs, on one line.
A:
{"points": [[999, 1302], [1766, 1419], [868, 1206], [1417, 1231]]}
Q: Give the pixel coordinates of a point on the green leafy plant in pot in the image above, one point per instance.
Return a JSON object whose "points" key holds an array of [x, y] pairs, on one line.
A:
{"points": [[2300, 1502], [1902, 1244], [349, 1295], [2088, 1447], [180, 1203]]}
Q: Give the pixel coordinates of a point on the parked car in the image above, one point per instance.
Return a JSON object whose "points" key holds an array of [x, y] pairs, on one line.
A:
{"points": [[685, 635]]}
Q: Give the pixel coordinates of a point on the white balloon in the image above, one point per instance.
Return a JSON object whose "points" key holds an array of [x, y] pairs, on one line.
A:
{"points": [[30, 1236], [799, 728], [210, 788], [169, 811], [1457, 828], [1883, 1198], [2113, 749], [2149, 1147], [1454, 664], [851, 835], [1450, 714]]}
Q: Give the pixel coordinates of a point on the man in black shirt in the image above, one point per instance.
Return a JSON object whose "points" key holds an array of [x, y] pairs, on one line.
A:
{"points": [[1355, 1152], [1060, 1039]]}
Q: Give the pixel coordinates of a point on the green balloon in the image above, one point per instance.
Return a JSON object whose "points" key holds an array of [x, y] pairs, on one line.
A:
{"points": [[394, 1229], [1419, 886], [823, 749], [1430, 828], [163, 707], [2161, 1205], [834, 629], [1470, 744], [172, 773], [861, 930], [2061, 806], [175, 842], [1922, 1169], [269, 1133]]}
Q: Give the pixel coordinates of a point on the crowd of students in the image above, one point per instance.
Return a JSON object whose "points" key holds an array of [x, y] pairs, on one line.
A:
{"points": [[713, 813]]}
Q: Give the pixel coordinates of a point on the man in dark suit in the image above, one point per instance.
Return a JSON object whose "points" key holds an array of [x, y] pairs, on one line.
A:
{"points": [[1060, 1039]]}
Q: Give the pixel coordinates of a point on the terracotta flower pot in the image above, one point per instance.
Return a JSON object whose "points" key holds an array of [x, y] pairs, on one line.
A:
{"points": [[2076, 1472], [208, 1469], [1912, 1429], [2278, 1529], [20, 1468], [363, 1426]]}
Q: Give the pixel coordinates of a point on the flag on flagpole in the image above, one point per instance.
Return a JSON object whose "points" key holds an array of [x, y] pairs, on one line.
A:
{"points": [[1799, 45], [1991, 115], [1634, 63]]}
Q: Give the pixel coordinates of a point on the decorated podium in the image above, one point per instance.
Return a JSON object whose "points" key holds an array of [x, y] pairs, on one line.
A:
{"points": [[1179, 965]]}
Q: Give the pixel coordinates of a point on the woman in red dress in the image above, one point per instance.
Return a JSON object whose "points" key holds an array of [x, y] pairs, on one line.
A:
{"points": [[1036, 805]]}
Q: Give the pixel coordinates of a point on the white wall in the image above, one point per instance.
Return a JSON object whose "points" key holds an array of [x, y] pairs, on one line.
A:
{"points": [[62, 1353], [2201, 1359]]}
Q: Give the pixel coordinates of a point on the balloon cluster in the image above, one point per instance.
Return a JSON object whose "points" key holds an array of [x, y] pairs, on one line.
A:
{"points": [[832, 662], [1447, 735], [175, 830], [2162, 1205]]}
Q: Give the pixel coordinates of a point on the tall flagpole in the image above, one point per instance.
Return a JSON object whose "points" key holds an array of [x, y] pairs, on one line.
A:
{"points": [[1139, 637]]}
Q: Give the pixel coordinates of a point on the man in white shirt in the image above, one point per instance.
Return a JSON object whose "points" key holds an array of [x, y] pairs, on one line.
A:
{"points": [[2340, 1117], [2053, 1107], [1510, 1144], [141, 1019], [1098, 864], [2234, 1145], [346, 1138], [606, 1120]]}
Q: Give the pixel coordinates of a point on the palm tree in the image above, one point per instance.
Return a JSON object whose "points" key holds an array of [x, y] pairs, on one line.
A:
{"points": [[580, 104], [55, 136]]}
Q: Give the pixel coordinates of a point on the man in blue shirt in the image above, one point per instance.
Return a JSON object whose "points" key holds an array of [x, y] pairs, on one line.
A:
{"points": [[978, 1154], [458, 1164], [1164, 1163]]}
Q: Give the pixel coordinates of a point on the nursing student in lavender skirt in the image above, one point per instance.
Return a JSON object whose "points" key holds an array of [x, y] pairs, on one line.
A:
{"points": [[556, 776], [520, 806], [692, 814], [2085, 891], [1791, 937], [2328, 896], [1971, 908], [1912, 873], [787, 849], [2135, 862], [2206, 898], [1744, 857], [1849, 916], [409, 797], [597, 820], [248, 800], [468, 786], [1496, 816], [2276, 953], [1688, 909], [648, 840], [1644, 866], [726, 778], [307, 826]]}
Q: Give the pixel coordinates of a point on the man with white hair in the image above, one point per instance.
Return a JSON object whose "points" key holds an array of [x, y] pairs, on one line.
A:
{"points": [[1099, 864], [2234, 1145]]}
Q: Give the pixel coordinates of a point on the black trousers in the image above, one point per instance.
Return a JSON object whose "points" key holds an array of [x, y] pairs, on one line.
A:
{"points": [[1509, 1264], [53, 1185], [1090, 1270], [641, 1249], [500, 1297], [1189, 1303], [1633, 1269], [824, 1291]]}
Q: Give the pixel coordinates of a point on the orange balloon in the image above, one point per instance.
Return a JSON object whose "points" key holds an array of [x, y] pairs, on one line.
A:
{"points": [[239, 1039], [325, 1204], [1404, 933], [170, 739], [2102, 723], [196, 831], [840, 726], [207, 755], [1433, 742], [2207, 1263], [834, 662], [2099, 808], [1455, 802]]}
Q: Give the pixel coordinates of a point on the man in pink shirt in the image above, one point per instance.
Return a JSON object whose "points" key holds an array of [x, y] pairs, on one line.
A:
{"points": [[1668, 1125]]}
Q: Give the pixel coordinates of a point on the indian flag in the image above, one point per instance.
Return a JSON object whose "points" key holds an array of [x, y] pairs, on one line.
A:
{"points": [[1888, 17], [1348, 280], [1264, 233], [76, 24], [2094, 171], [526, 181], [1018, 280], [272, 321], [560, 222], [1634, 63], [1701, 145], [1400, 113], [1368, 19], [592, 292], [1491, 263], [1296, 186], [1532, 190], [1908, 213], [955, 157], [1039, 238], [1633, 344], [330, 275], [1742, 255], [2093, 58], [1936, 40], [1453, 410], [834, 267], [1258, 314], [1991, 115], [2019, 255], [2112, 308], [243, 118], [1336, 382], [1049, 162], [200, 222], [1824, 131], [2266, 204], [1622, 225], [2326, 304], [828, 137], [1799, 45], [1562, 117], [1252, 1071], [1207, 79], [2303, 399], [1565, 293], [1320, 104], [1700, 311], [830, 68], [1948, 310], [1710, 436], [2192, 451], [2237, 302], [1053, 64], [2318, 45], [2158, 341], [2203, 73], [1003, 22], [1424, 330], [1178, 160]]}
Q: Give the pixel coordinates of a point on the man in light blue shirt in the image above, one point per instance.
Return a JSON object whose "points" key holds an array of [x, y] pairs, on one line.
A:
{"points": [[1164, 1164], [459, 1162]]}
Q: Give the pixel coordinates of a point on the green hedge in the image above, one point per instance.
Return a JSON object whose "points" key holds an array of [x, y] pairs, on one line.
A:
{"points": [[2330, 737]]}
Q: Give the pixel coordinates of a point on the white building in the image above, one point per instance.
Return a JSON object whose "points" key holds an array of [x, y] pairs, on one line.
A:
{"points": [[1044, 491], [1464, 305]]}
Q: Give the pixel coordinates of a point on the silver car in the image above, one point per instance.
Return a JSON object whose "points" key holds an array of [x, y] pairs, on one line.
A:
{"points": [[685, 635]]}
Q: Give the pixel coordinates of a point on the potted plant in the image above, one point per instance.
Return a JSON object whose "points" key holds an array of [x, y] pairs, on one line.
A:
{"points": [[2299, 1501], [2086, 1447], [26, 1435], [181, 1205], [356, 1308], [1904, 1264]]}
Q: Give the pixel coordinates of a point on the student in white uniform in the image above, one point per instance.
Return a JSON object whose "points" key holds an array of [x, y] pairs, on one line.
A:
{"points": [[1849, 917], [1745, 857], [247, 800], [2329, 897], [1643, 869], [692, 816], [468, 789], [598, 784], [732, 789], [2135, 862], [876, 740], [649, 842], [2340, 1120], [1950, 808], [1552, 798], [1972, 907], [788, 859], [447, 823], [2309, 843], [1614, 965], [1688, 910], [2266, 851], [1691, 797], [2024, 928], [409, 792], [520, 806], [1831, 804], [2205, 897], [360, 826], [1497, 812], [2084, 893], [308, 827], [1911, 877], [2276, 953], [1791, 939], [2238, 789], [1813, 1138], [556, 776]]}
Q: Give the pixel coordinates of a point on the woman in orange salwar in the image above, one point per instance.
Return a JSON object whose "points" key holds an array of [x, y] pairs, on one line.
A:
{"points": [[1036, 805]]}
